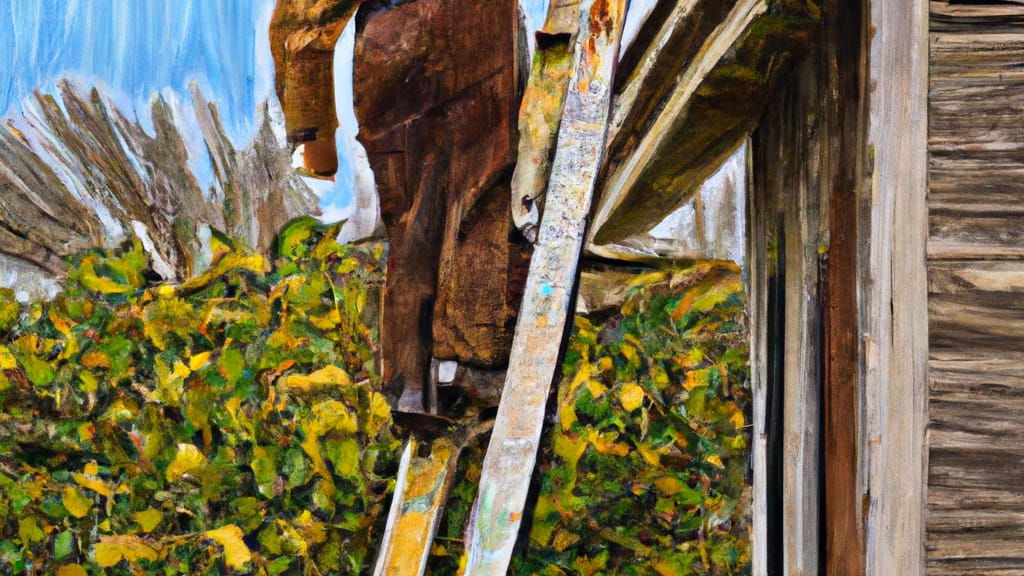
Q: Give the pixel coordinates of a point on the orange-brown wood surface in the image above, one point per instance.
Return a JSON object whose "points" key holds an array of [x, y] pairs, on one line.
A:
{"points": [[436, 98]]}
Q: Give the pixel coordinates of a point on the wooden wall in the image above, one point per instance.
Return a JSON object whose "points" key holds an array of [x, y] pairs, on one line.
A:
{"points": [[975, 522]]}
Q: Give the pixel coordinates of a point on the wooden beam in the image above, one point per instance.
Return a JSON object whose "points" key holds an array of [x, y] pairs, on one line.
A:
{"points": [[895, 288], [759, 221], [624, 178], [842, 121], [508, 465], [675, 141]]}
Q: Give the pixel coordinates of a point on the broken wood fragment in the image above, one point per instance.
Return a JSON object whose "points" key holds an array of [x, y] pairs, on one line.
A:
{"points": [[436, 97], [303, 34], [541, 113]]}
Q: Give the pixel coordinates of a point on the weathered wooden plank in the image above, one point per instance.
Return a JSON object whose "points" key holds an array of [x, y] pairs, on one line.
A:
{"points": [[976, 306], [763, 216], [788, 176], [958, 15], [895, 288], [976, 289], [715, 103], [505, 478], [541, 113], [976, 404], [442, 146], [976, 142]]}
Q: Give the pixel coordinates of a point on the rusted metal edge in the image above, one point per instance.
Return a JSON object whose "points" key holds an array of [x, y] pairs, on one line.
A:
{"points": [[508, 464]]}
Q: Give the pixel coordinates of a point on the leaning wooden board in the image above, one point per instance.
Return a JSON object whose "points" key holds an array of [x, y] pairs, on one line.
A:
{"points": [[508, 465]]}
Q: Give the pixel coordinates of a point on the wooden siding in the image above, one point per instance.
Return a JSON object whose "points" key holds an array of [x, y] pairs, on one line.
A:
{"points": [[975, 521]]}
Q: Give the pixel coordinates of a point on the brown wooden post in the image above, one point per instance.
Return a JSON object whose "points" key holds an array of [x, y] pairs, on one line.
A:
{"points": [[841, 69]]}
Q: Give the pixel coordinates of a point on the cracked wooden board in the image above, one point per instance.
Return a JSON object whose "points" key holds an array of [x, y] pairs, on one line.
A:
{"points": [[508, 465]]}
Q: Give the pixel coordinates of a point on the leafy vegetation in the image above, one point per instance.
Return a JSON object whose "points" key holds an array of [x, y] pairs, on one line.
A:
{"points": [[226, 424], [644, 464], [234, 424]]}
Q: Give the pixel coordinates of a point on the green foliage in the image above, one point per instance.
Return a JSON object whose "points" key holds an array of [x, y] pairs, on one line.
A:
{"points": [[647, 461], [227, 425], [233, 424]]}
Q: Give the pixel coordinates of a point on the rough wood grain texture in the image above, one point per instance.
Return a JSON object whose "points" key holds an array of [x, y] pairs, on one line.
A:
{"points": [[541, 113], [894, 288], [976, 143], [704, 115], [976, 401], [498, 510], [302, 38], [422, 488], [975, 517], [841, 122], [436, 101], [763, 216], [788, 175]]}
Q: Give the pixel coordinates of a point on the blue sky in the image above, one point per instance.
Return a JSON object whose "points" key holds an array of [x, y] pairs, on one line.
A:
{"points": [[135, 49]]}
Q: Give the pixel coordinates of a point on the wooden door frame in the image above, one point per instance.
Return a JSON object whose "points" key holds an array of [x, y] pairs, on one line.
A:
{"points": [[841, 162]]}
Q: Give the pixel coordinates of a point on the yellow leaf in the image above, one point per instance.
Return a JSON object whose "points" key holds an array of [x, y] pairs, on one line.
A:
{"points": [[380, 414], [328, 321], [652, 457], [76, 504], [631, 397], [165, 291], [695, 378], [7, 361], [582, 375], [148, 519], [89, 382], [313, 531], [564, 539], [71, 570], [112, 549], [198, 361], [333, 415], [95, 359], [714, 459], [669, 485], [324, 379], [236, 553], [596, 388], [29, 531], [64, 325], [94, 484], [187, 460], [738, 419], [91, 468], [629, 352], [605, 443]]}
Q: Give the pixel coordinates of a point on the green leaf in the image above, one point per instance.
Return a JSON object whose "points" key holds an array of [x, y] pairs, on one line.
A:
{"points": [[64, 545]]}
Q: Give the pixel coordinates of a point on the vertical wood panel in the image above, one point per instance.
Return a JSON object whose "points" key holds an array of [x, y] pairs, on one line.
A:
{"points": [[894, 285]]}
